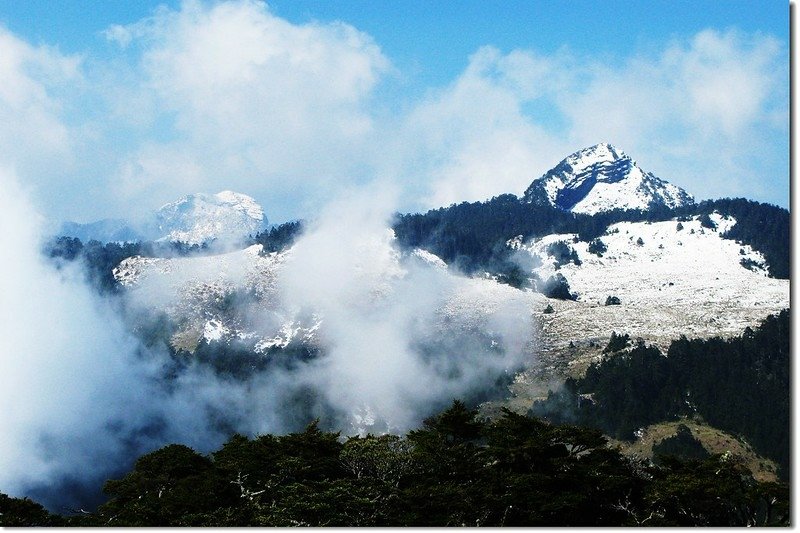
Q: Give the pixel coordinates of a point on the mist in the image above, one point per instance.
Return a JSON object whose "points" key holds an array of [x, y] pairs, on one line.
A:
{"points": [[72, 384]]}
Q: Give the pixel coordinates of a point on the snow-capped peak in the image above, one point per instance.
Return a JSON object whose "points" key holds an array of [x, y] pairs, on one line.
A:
{"points": [[199, 218], [601, 178], [235, 200]]}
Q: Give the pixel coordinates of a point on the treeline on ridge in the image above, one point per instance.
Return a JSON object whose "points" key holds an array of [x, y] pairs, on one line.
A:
{"points": [[470, 236], [473, 236]]}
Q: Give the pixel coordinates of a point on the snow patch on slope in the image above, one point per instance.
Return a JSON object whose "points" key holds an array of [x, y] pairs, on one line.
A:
{"points": [[429, 258], [214, 330], [199, 292], [687, 281], [191, 290]]}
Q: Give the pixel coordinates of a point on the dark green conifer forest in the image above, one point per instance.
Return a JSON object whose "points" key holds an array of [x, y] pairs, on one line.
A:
{"points": [[552, 467], [739, 385], [473, 236]]}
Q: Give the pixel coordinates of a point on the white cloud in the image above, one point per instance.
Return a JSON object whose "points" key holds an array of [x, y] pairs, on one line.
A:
{"points": [[401, 339], [33, 136], [473, 140], [68, 385], [119, 34], [259, 104], [729, 79]]}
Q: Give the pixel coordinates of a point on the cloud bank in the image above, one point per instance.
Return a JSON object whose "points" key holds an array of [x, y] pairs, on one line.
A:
{"points": [[229, 95], [70, 390]]}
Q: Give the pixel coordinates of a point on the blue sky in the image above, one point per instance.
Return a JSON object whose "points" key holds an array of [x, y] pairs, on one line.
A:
{"points": [[444, 101], [438, 36]]}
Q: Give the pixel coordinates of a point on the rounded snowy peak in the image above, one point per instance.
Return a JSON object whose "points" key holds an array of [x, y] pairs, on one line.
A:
{"points": [[199, 218], [602, 178], [240, 202]]}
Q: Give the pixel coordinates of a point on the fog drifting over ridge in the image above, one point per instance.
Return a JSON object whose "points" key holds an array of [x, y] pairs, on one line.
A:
{"points": [[88, 397], [401, 337]]}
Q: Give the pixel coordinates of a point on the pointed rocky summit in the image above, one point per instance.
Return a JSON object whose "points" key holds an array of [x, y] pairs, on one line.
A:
{"points": [[602, 178]]}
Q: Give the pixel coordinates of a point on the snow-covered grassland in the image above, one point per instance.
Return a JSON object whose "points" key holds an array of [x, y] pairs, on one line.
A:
{"points": [[669, 281]]}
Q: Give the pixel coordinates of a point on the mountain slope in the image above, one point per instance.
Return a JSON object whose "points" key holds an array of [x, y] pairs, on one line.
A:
{"points": [[671, 278], [712, 439], [601, 178], [683, 278], [193, 291], [402, 311]]}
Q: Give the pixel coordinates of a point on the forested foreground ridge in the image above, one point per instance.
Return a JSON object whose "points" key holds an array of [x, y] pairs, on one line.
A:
{"points": [[456, 470]]}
